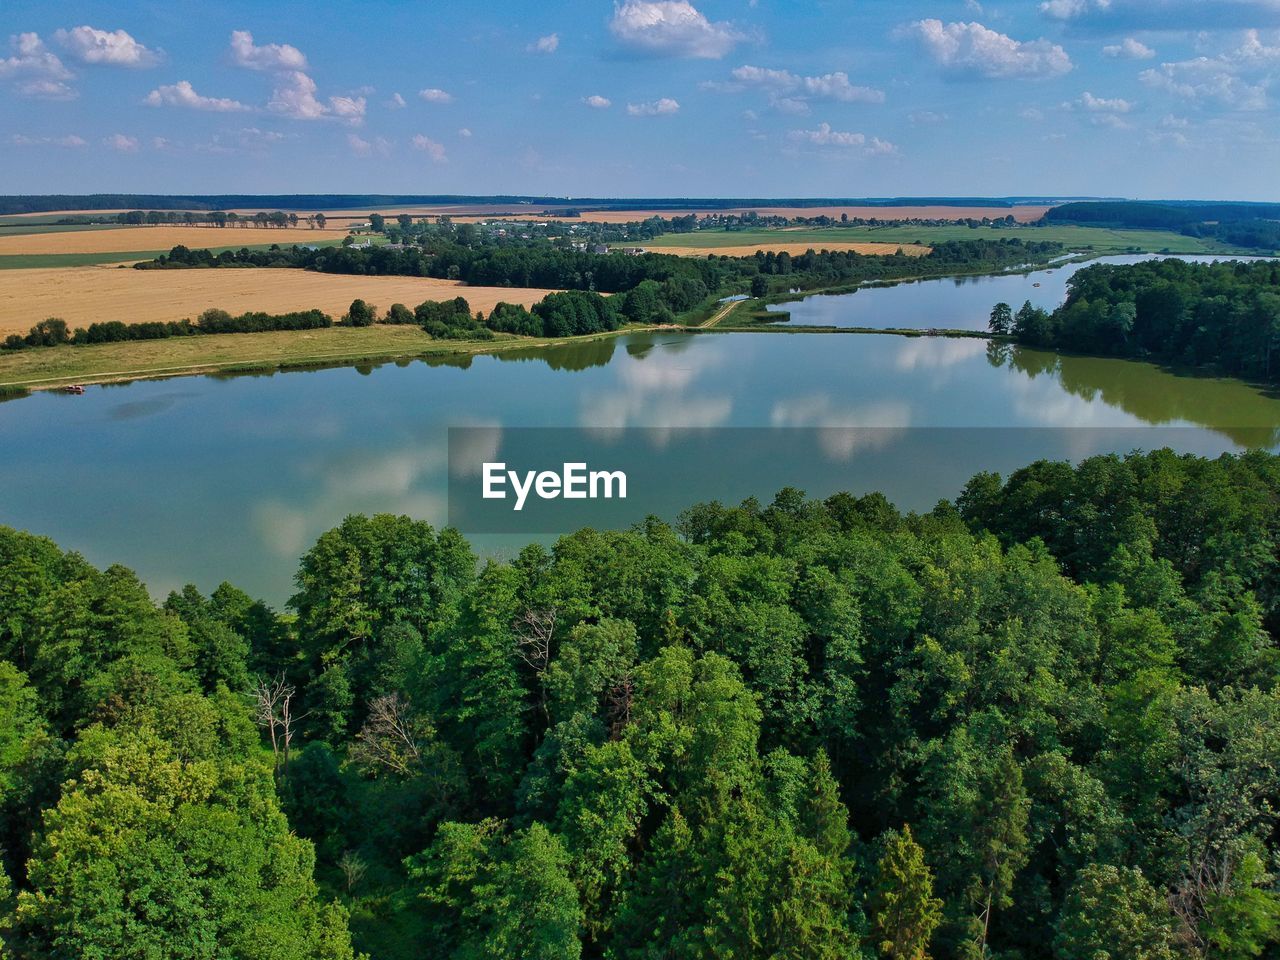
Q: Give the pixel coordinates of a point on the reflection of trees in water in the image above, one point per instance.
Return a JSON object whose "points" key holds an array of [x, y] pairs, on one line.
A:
{"points": [[460, 361], [999, 352], [584, 354], [1237, 410], [575, 355]]}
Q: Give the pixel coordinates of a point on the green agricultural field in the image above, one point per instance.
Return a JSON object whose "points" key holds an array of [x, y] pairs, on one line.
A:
{"points": [[1095, 239], [23, 228], [31, 261]]}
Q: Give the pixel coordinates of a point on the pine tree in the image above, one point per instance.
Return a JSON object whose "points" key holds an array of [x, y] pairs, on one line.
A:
{"points": [[904, 910]]}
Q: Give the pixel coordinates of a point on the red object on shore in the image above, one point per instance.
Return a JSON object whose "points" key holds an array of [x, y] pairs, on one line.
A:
{"points": [[73, 388]]}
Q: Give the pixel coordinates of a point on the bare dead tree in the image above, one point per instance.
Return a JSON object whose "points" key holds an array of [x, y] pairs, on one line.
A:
{"points": [[274, 710], [618, 701], [533, 632], [1206, 879], [353, 867], [390, 738]]}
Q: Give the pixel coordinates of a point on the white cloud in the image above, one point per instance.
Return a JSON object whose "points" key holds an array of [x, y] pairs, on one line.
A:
{"points": [[1238, 79], [464, 133], [269, 56], [1128, 49], [1034, 114], [1198, 81], [121, 142], [790, 105], [252, 137], [435, 95], [295, 97], [430, 147], [1112, 120], [975, 50], [249, 139], [34, 63], [671, 28], [365, 148], [597, 101], [350, 109], [1253, 50], [396, 102], [829, 86], [181, 94], [47, 90], [71, 141], [547, 44], [113, 48], [654, 108], [927, 117], [1174, 137], [1092, 104], [1070, 9], [825, 136]]}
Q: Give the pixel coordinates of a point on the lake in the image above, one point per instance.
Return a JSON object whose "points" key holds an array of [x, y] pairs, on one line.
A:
{"points": [[203, 479], [953, 303]]}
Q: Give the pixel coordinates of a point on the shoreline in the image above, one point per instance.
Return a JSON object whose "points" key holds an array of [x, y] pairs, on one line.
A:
{"points": [[53, 368], [400, 346]]}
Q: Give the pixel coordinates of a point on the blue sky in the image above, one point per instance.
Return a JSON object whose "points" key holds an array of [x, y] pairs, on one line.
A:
{"points": [[1145, 98]]}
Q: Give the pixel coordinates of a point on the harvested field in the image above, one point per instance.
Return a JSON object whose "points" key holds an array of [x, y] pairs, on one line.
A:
{"points": [[124, 239], [748, 250], [83, 295]]}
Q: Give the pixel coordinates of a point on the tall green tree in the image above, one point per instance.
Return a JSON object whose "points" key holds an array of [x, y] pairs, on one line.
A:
{"points": [[904, 911], [1115, 912], [1001, 321], [149, 855], [498, 896]]}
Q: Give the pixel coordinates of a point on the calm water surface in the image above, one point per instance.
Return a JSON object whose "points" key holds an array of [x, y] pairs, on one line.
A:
{"points": [[205, 479]]}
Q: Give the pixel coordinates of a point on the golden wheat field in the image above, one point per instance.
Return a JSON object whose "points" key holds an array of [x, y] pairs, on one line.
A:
{"points": [[128, 239], [84, 295], [748, 250]]}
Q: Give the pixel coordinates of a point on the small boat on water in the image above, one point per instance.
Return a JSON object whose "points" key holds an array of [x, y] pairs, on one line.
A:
{"points": [[1036, 284], [73, 388]]}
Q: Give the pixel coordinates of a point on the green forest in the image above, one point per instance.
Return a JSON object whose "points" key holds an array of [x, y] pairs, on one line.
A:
{"points": [[460, 253], [1238, 224], [1220, 315], [1040, 721]]}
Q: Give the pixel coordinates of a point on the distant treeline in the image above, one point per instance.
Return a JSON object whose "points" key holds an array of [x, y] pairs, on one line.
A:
{"points": [[1222, 314], [548, 267], [567, 314], [54, 332], [1251, 225], [341, 201]]}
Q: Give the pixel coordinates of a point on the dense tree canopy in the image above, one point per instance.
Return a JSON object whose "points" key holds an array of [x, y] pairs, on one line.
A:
{"points": [[1041, 723], [681, 281]]}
